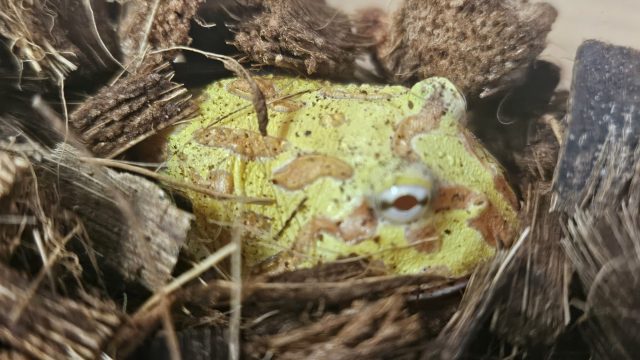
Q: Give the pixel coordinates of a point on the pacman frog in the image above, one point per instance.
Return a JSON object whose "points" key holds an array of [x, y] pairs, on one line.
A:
{"points": [[387, 173]]}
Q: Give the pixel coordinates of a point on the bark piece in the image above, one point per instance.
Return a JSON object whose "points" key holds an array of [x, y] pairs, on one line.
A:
{"points": [[154, 24], [133, 109], [602, 115], [364, 330], [481, 46], [203, 343], [49, 326], [134, 228], [304, 35], [534, 311], [602, 235]]}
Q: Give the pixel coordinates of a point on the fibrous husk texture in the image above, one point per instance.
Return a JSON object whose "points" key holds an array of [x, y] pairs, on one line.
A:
{"points": [[482, 46], [304, 35], [130, 110], [149, 25], [602, 242], [338, 310], [46, 325], [44, 38]]}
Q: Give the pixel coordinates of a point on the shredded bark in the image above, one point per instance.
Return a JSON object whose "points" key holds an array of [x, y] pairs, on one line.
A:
{"points": [[149, 25], [129, 111], [44, 38], [535, 310], [602, 242], [307, 36], [46, 325], [482, 47], [134, 228], [598, 125], [11, 167]]}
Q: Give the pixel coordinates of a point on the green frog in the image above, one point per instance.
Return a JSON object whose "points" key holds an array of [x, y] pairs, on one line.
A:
{"points": [[387, 173]]}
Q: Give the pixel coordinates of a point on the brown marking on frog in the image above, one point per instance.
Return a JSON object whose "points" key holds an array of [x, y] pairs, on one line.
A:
{"points": [[423, 122], [306, 169], [360, 225], [221, 181], [490, 223], [254, 223], [493, 227], [305, 243], [246, 143], [451, 198], [424, 238], [241, 88], [286, 105]]}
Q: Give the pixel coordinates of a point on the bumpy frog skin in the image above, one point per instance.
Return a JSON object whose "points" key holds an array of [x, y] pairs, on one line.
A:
{"points": [[384, 172]]}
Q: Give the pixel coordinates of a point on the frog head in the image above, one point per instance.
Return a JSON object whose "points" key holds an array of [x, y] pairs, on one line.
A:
{"points": [[383, 172]]}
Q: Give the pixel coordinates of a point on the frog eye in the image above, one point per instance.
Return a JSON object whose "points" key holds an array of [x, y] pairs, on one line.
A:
{"points": [[404, 203]]}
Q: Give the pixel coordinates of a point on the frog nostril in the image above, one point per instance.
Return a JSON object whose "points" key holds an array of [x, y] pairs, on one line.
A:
{"points": [[405, 202]]}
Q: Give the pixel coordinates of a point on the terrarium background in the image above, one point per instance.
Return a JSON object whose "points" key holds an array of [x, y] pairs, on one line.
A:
{"points": [[615, 21]]}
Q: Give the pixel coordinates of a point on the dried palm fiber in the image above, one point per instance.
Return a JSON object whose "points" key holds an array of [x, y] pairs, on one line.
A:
{"points": [[132, 109], [481, 46], [597, 183], [307, 36], [47, 325], [11, 167], [603, 244], [45, 39], [149, 25]]}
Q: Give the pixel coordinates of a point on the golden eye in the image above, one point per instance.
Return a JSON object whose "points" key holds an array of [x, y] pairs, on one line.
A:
{"points": [[404, 203]]}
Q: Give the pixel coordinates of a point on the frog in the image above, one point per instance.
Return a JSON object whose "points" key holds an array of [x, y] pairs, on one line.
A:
{"points": [[345, 171]]}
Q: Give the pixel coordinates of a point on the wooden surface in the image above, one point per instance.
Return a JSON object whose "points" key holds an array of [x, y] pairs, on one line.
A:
{"points": [[615, 21]]}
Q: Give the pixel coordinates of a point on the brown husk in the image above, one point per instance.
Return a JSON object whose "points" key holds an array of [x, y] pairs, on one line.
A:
{"points": [[482, 46]]}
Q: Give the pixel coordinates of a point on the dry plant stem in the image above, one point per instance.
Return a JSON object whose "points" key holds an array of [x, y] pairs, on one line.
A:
{"points": [[484, 290], [193, 273], [18, 309], [172, 339], [151, 312], [236, 294], [258, 99], [175, 183], [155, 24], [296, 294], [535, 310]]}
